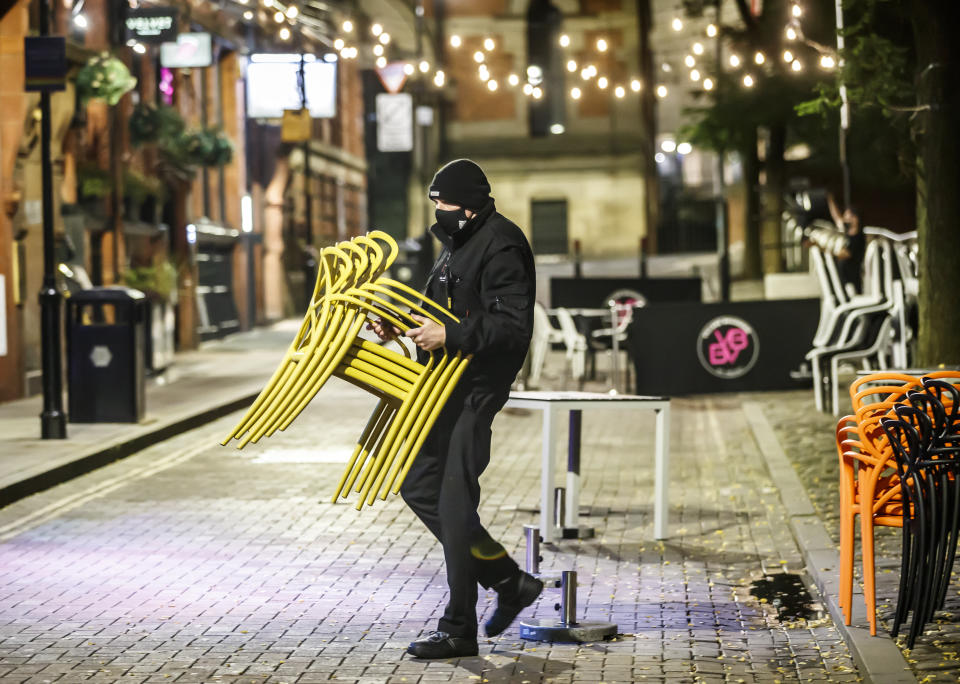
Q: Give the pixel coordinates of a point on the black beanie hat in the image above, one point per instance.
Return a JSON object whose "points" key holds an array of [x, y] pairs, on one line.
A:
{"points": [[461, 182]]}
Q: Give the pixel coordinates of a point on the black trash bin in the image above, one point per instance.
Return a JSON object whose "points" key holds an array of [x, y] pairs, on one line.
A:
{"points": [[105, 355]]}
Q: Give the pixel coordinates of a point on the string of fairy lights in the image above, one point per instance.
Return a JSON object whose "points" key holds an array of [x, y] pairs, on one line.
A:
{"points": [[750, 66], [286, 18]]}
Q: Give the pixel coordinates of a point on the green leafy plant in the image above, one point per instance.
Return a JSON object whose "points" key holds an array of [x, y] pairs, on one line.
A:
{"points": [[208, 147], [138, 187], [159, 279], [104, 77], [94, 182]]}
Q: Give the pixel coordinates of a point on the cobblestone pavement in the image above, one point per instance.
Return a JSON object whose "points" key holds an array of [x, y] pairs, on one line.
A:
{"points": [[192, 562], [808, 440]]}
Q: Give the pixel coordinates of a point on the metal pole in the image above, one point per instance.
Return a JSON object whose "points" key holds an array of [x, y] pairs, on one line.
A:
{"points": [[723, 248], [844, 109], [568, 597], [532, 533], [53, 421]]}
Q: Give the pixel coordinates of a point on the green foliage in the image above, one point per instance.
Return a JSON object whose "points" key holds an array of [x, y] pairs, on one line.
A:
{"points": [[155, 125], [94, 182], [160, 279], [208, 147], [104, 77], [139, 187]]}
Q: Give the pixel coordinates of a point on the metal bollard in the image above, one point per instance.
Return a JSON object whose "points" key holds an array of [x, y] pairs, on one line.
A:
{"points": [[559, 505], [532, 533], [568, 597]]}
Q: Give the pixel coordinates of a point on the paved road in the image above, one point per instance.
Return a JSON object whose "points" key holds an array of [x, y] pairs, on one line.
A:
{"points": [[192, 562]]}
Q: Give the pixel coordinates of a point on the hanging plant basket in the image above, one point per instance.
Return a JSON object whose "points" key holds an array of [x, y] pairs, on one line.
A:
{"points": [[104, 77]]}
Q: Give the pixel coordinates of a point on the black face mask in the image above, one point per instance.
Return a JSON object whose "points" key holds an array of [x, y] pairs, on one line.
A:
{"points": [[451, 220]]}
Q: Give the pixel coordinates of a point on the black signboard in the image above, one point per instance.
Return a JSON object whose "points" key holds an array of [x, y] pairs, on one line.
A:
{"points": [[689, 348], [151, 24], [45, 63]]}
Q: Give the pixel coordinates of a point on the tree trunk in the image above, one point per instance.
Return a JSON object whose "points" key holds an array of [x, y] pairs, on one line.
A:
{"points": [[776, 172], [752, 251], [935, 25]]}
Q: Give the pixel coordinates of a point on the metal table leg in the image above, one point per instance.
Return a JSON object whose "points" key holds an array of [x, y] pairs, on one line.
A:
{"points": [[661, 473], [571, 522], [547, 529]]}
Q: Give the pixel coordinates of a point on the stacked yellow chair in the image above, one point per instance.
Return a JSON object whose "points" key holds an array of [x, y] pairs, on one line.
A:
{"points": [[351, 289]]}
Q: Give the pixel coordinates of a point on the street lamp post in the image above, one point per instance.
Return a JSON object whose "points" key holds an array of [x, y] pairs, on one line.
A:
{"points": [[53, 421]]}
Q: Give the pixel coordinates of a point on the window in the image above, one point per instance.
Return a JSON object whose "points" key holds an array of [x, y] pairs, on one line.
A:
{"points": [[548, 219], [545, 70]]}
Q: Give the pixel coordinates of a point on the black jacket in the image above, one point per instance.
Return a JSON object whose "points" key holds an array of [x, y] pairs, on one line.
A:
{"points": [[485, 275]]}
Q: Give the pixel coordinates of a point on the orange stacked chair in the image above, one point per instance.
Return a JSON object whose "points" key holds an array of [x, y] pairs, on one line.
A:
{"points": [[869, 484]]}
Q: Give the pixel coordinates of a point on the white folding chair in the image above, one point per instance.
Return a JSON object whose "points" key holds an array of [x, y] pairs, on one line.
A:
{"points": [[544, 336]]}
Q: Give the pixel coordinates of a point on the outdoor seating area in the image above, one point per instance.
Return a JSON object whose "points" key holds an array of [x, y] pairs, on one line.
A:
{"points": [[899, 452], [874, 328], [583, 333]]}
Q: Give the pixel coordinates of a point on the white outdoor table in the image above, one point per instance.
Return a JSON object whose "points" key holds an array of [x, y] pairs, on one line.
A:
{"points": [[574, 402]]}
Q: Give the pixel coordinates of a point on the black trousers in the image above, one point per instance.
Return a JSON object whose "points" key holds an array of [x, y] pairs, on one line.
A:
{"points": [[442, 488]]}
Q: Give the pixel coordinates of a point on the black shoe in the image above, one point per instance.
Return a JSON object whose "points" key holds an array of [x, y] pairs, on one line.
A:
{"points": [[442, 645], [517, 595]]}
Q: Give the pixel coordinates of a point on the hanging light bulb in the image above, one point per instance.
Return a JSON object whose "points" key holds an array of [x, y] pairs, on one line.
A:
{"points": [[557, 129], [796, 11], [575, 93], [347, 26], [759, 58], [376, 29], [694, 75], [378, 50], [534, 74], [698, 48], [677, 24], [248, 15], [278, 17], [619, 91], [635, 85], [791, 33], [455, 41], [492, 85], [527, 89], [601, 45], [684, 148], [478, 57], [797, 65], [80, 20], [571, 66], [828, 62], [564, 40], [537, 93], [787, 56], [602, 83], [585, 74], [284, 33], [708, 84], [384, 38], [734, 61], [483, 73], [513, 79], [408, 69], [381, 62], [338, 44], [748, 81], [438, 79], [424, 66], [292, 12], [488, 44], [689, 60], [139, 48], [661, 91], [712, 30]]}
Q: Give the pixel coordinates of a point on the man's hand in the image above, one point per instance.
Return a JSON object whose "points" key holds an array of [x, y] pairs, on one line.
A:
{"points": [[384, 330], [429, 335]]}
